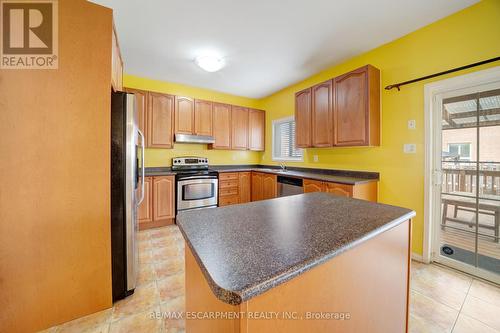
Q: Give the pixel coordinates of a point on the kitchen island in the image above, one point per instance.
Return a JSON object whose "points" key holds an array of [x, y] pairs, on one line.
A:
{"points": [[306, 263]]}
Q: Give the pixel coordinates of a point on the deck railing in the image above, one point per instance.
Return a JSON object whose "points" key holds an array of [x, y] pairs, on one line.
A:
{"points": [[461, 176]]}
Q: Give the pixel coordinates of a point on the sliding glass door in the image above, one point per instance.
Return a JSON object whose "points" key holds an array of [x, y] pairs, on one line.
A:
{"points": [[468, 225]]}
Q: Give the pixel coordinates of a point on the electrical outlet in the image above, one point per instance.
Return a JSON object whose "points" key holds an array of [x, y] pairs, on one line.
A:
{"points": [[234, 158], [412, 124], [410, 148], [315, 158]]}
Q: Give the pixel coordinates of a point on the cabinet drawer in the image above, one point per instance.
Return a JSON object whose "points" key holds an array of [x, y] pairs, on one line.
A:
{"points": [[229, 200], [228, 176], [228, 183], [224, 192]]}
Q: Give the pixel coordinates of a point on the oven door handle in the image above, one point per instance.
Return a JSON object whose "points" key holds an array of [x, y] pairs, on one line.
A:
{"points": [[182, 182], [198, 177]]}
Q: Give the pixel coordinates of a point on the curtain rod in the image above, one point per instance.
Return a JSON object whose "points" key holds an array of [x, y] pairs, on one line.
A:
{"points": [[398, 85]]}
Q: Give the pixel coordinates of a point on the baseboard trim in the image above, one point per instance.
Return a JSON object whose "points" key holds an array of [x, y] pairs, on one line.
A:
{"points": [[155, 224], [417, 257]]}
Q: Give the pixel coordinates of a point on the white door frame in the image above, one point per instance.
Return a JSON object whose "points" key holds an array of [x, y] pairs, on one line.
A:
{"points": [[432, 113]]}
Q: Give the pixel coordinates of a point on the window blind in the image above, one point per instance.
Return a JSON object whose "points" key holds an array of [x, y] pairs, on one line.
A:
{"points": [[284, 141]]}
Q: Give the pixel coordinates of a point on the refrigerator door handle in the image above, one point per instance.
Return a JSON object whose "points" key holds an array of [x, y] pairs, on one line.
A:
{"points": [[142, 166]]}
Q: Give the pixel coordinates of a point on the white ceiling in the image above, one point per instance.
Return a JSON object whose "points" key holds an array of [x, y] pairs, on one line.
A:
{"points": [[267, 44]]}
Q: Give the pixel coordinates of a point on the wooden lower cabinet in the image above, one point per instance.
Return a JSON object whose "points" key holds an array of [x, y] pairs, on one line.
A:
{"points": [[245, 187], [339, 189], [229, 184], [313, 186], [264, 186], [269, 186], [145, 210], [365, 191], [157, 209], [234, 188]]}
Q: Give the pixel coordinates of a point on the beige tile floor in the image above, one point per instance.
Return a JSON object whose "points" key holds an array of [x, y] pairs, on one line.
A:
{"points": [[442, 300]]}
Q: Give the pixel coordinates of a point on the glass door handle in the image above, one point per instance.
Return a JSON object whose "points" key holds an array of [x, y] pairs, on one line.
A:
{"points": [[437, 177]]}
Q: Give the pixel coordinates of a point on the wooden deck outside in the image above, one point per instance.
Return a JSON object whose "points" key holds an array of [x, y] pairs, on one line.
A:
{"points": [[466, 240]]}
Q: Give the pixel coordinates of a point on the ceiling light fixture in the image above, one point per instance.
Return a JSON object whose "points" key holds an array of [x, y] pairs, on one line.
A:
{"points": [[210, 63]]}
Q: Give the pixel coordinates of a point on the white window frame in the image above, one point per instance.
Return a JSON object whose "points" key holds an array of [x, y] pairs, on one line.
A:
{"points": [[460, 144], [279, 158]]}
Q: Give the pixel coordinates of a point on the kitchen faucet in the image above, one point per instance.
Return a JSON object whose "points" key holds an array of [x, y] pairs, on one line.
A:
{"points": [[283, 166]]}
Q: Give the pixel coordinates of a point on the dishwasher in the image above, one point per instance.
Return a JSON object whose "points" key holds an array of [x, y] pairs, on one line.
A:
{"points": [[289, 186]]}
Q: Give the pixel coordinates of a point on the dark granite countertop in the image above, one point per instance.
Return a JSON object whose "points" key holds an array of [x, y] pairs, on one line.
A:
{"points": [[335, 176], [159, 171], [244, 250]]}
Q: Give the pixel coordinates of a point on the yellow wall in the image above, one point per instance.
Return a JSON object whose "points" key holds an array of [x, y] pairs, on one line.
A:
{"points": [[462, 38], [162, 157], [465, 37]]}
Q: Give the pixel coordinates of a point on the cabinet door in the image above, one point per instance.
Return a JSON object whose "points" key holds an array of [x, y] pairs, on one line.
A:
{"points": [[339, 189], [141, 98], [245, 185], [184, 115], [256, 129], [222, 126], [257, 189], [313, 186], [145, 211], [160, 120], [269, 186], [357, 107], [239, 128], [163, 198], [203, 117], [303, 137], [322, 118]]}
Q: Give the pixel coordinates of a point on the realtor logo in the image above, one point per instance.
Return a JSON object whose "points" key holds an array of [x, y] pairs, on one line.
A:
{"points": [[29, 34]]}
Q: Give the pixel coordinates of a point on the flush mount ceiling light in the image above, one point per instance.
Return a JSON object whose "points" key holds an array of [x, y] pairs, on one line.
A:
{"points": [[210, 63]]}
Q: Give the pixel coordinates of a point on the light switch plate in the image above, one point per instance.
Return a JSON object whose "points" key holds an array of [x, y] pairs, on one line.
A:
{"points": [[315, 158], [410, 148], [412, 124]]}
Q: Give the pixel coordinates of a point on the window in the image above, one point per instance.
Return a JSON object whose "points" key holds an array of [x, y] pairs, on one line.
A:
{"points": [[284, 148], [459, 150]]}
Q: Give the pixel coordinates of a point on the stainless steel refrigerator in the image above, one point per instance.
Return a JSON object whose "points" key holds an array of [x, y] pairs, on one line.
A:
{"points": [[127, 169]]}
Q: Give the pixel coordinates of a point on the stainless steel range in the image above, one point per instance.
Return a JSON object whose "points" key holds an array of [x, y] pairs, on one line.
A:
{"points": [[196, 184]]}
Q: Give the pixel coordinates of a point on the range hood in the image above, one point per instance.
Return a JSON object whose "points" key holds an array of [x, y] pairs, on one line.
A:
{"points": [[189, 138]]}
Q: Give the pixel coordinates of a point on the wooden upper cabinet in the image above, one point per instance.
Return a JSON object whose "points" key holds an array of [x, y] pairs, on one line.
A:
{"points": [[239, 128], [256, 129], [145, 211], [184, 115], [257, 186], [221, 126], [357, 108], [269, 186], [313, 186], [339, 189], [245, 185], [160, 119], [163, 193], [303, 136], [116, 63], [203, 118], [321, 115]]}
